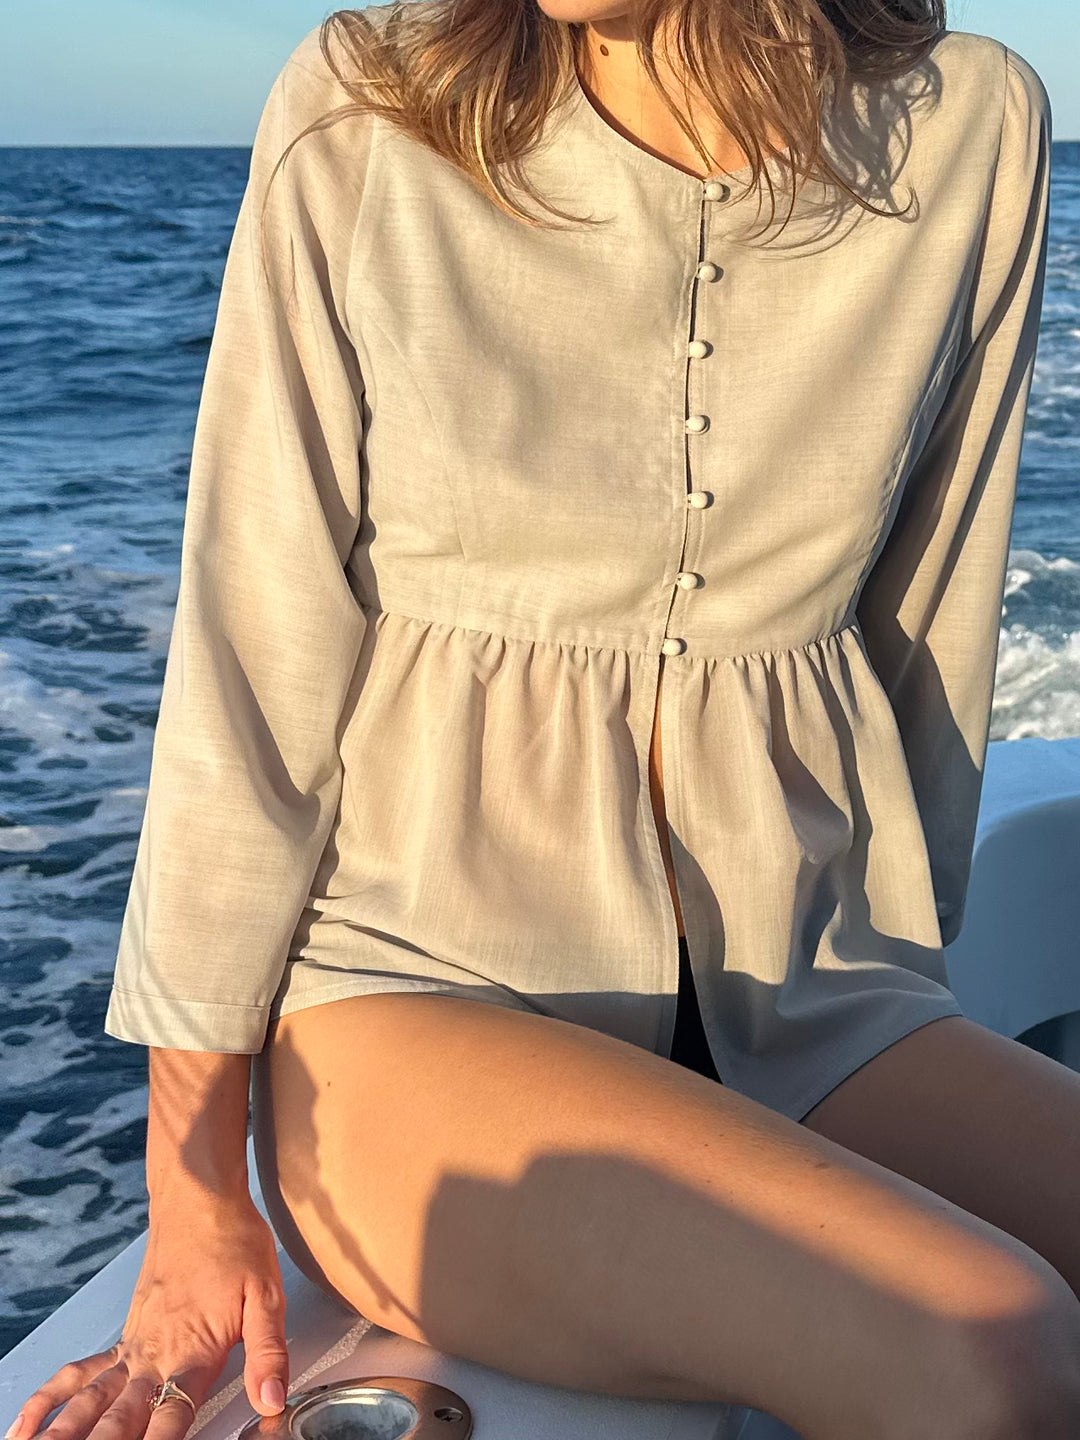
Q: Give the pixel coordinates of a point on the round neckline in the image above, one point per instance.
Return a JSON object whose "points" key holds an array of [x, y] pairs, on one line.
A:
{"points": [[639, 157]]}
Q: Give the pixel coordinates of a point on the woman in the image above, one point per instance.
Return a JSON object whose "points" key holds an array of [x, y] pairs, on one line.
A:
{"points": [[531, 439]]}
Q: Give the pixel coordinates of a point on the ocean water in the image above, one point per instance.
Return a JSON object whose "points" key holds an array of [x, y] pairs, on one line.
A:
{"points": [[110, 262]]}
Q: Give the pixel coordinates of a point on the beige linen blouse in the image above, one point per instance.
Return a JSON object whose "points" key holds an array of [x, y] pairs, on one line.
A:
{"points": [[460, 486]]}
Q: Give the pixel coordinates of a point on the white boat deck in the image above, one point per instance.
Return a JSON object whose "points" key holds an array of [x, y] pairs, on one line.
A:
{"points": [[1013, 967]]}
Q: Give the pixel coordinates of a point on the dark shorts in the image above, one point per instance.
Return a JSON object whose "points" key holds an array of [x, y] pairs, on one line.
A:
{"points": [[689, 1046]]}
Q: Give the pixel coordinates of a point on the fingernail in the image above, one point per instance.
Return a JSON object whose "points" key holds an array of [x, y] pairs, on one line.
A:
{"points": [[272, 1394], [14, 1430]]}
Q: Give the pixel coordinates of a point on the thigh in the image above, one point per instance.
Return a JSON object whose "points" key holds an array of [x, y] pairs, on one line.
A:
{"points": [[974, 1116], [561, 1205]]}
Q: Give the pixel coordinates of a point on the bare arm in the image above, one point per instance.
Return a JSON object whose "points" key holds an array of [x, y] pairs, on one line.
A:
{"points": [[196, 1138], [209, 1278]]}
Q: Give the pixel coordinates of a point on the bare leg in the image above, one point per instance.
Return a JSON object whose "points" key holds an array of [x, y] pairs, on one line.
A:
{"points": [[550, 1201], [981, 1119]]}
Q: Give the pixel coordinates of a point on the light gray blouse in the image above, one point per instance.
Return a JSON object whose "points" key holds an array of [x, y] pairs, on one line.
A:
{"points": [[460, 485]]}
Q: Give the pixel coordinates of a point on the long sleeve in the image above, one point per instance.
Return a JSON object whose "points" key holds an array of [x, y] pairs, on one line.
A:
{"points": [[930, 609], [245, 772]]}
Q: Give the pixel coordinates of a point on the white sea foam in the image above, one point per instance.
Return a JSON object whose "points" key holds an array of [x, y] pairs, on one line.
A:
{"points": [[1037, 687], [56, 717]]}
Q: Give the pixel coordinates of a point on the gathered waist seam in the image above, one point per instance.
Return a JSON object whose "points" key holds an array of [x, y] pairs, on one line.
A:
{"points": [[648, 652]]}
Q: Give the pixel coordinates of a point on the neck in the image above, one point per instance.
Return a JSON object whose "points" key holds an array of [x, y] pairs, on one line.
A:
{"points": [[614, 79]]}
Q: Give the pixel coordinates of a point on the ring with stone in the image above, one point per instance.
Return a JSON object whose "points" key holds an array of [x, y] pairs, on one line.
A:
{"points": [[169, 1390]]}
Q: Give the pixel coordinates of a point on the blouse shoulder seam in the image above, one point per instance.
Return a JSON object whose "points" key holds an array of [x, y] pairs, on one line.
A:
{"points": [[1005, 67], [293, 63], [346, 299]]}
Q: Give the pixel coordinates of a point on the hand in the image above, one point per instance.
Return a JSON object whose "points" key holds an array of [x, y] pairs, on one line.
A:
{"points": [[209, 1279]]}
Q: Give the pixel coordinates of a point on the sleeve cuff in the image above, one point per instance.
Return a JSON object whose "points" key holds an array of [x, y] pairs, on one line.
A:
{"points": [[178, 1024]]}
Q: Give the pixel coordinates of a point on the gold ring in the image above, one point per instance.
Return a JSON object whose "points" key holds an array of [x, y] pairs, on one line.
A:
{"points": [[169, 1390]]}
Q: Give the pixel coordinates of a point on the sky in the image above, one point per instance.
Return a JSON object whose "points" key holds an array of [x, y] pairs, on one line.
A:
{"points": [[196, 72]]}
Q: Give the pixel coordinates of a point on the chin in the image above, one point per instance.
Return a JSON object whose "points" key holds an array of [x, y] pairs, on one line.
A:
{"points": [[582, 12]]}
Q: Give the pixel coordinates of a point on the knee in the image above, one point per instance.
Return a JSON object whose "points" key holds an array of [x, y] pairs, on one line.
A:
{"points": [[1014, 1372]]}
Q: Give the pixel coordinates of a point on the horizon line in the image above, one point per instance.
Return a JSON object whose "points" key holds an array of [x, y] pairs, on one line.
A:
{"points": [[224, 144]]}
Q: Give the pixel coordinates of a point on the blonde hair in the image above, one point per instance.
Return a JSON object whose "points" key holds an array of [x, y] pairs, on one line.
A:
{"points": [[474, 80]]}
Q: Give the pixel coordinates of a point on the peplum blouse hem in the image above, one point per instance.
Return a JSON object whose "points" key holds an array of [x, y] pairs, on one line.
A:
{"points": [[466, 494], [810, 812]]}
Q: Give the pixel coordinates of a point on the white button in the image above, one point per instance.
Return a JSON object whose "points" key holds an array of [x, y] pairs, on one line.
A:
{"points": [[696, 423], [698, 499], [688, 580], [698, 349], [716, 190], [672, 646], [707, 270]]}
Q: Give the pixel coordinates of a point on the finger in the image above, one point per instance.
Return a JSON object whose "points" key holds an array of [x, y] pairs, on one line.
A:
{"points": [[67, 1381], [129, 1414], [266, 1357], [132, 1415], [81, 1413], [173, 1419], [170, 1421]]}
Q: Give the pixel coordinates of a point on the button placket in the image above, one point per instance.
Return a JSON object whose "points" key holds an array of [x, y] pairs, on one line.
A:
{"points": [[698, 348], [696, 423]]}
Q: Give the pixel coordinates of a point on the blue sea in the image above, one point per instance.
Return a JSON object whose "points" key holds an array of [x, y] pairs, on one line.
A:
{"points": [[110, 263]]}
